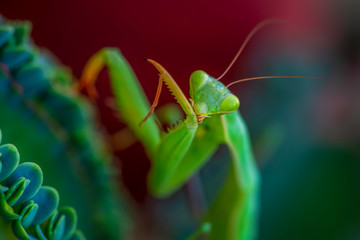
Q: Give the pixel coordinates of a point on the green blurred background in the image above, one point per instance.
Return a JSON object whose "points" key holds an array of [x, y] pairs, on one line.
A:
{"points": [[305, 132]]}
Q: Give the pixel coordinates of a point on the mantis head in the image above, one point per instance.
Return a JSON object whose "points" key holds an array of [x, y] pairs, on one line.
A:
{"points": [[210, 97]]}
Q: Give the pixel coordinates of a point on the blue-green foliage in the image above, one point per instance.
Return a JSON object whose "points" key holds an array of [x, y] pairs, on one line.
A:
{"points": [[54, 127], [32, 208]]}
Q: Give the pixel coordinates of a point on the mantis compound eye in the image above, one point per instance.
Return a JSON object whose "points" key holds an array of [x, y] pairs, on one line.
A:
{"points": [[230, 104], [198, 79]]}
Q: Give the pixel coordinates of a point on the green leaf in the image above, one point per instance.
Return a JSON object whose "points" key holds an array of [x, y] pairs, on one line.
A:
{"points": [[9, 158], [3, 189], [28, 214], [48, 200], [57, 232], [22, 32], [5, 34], [19, 230], [13, 57], [78, 236], [16, 190], [6, 211], [32, 79], [30, 171], [71, 221], [39, 233]]}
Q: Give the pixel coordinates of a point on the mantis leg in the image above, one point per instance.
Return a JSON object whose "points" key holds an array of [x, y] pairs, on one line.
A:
{"points": [[237, 202], [133, 107], [155, 103], [130, 98], [202, 147], [170, 154], [174, 145]]}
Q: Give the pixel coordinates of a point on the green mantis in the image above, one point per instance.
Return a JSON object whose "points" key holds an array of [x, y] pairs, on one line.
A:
{"points": [[211, 120]]}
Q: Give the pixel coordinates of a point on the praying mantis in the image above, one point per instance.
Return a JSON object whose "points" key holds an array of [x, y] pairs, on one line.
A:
{"points": [[211, 119]]}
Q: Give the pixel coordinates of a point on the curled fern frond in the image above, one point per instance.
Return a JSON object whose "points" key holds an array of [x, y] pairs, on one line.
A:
{"points": [[32, 208]]}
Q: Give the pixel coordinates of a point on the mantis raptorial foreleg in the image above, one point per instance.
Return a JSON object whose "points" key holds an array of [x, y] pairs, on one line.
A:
{"points": [[170, 154], [130, 97]]}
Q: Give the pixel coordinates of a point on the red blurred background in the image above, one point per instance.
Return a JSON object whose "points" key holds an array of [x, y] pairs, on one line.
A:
{"points": [[183, 35]]}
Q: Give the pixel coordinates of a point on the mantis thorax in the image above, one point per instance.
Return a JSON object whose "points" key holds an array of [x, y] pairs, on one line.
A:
{"points": [[210, 97]]}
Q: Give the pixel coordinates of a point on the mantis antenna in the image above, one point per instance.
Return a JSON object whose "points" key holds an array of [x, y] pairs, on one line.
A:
{"points": [[247, 39], [255, 78]]}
